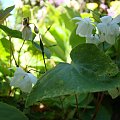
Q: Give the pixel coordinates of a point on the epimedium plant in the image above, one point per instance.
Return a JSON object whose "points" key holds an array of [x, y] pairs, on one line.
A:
{"points": [[92, 68], [68, 90], [107, 30], [26, 80]]}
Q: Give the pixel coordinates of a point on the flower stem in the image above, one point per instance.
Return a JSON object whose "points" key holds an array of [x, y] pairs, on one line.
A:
{"points": [[100, 97], [20, 52], [42, 49], [77, 108]]}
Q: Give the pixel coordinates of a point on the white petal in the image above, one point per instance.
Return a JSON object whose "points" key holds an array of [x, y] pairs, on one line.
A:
{"points": [[25, 84], [18, 76], [106, 19], [114, 29], [111, 39], [77, 18], [93, 39], [113, 32], [88, 20], [102, 37], [32, 78], [84, 29], [23, 80], [102, 28], [108, 33], [27, 33], [116, 19]]}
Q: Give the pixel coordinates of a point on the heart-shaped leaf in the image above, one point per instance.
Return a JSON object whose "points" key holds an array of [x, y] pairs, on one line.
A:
{"points": [[90, 71]]}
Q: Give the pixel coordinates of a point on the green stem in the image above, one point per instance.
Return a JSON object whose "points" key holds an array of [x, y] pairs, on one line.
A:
{"points": [[20, 52], [77, 108], [62, 106], [44, 61], [10, 51], [103, 46], [42, 49], [12, 54], [88, 97], [98, 106]]}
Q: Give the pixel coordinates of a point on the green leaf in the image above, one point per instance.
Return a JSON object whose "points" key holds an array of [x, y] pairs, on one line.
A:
{"points": [[4, 52], [4, 66], [62, 40], [114, 92], [56, 50], [14, 33], [89, 57], [4, 88], [10, 32], [8, 112], [6, 44], [60, 36], [5, 13], [76, 39], [46, 51], [66, 17], [96, 15], [26, 11], [89, 72], [103, 114], [83, 100]]}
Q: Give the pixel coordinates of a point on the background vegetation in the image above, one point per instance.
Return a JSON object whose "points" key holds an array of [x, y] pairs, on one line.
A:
{"points": [[62, 91]]}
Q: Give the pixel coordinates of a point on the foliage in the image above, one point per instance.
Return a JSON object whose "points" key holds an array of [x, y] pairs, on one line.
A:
{"points": [[12, 112], [81, 76], [5, 13], [77, 65]]}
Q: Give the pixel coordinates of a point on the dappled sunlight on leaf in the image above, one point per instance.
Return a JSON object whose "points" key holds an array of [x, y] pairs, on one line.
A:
{"points": [[90, 71]]}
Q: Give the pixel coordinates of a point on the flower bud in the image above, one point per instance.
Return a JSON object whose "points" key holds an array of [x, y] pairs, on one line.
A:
{"points": [[36, 30]]}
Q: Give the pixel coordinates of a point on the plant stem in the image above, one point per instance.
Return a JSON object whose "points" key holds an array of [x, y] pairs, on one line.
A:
{"points": [[98, 106], [42, 49], [20, 52], [103, 46], [42, 46], [44, 61], [88, 96], [62, 106], [10, 51], [12, 54], [77, 108]]}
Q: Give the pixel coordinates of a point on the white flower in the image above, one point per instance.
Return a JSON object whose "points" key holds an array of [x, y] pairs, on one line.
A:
{"points": [[93, 39], [27, 33], [23, 80], [108, 29], [85, 27]]}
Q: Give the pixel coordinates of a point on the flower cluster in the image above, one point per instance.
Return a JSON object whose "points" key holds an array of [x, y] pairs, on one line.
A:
{"points": [[23, 80], [107, 30]]}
